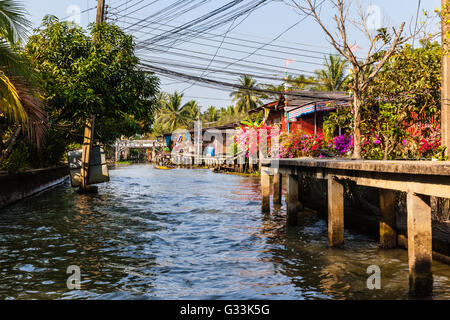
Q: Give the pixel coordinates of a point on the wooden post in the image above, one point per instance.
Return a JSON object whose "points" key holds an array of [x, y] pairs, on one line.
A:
{"points": [[419, 244], [89, 127], [86, 153], [100, 11], [445, 90], [335, 213], [315, 118], [388, 228], [265, 190], [300, 192], [260, 157], [292, 199], [277, 187]]}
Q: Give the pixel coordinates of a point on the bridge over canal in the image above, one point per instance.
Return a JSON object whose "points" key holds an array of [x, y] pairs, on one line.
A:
{"points": [[126, 145]]}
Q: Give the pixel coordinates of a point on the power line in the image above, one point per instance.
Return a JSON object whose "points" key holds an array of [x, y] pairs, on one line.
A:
{"points": [[139, 46], [142, 42], [215, 54], [226, 62], [83, 11], [217, 83], [241, 39], [221, 15], [236, 73]]}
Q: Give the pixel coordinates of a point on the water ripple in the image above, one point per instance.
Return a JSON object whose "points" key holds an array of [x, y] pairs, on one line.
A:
{"points": [[184, 234]]}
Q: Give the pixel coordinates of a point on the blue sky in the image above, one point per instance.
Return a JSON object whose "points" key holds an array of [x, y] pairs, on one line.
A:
{"points": [[305, 42]]}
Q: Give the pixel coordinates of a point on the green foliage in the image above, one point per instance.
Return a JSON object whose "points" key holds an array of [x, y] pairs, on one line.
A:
{"points": [[406, 89], [53, 151], [342, 118], [298, 83], [83, 77], [172, 114], [245, 97], [20, 103], [13, 21], [18, 160], [334, 76]]}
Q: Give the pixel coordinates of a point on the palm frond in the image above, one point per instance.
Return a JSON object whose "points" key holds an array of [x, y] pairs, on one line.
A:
{"points": [[36, 122], [13, 21], [10, 103]]}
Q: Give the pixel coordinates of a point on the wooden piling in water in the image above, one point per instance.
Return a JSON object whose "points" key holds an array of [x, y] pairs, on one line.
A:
{"points": [[265, 190], [388, 229], [277, 186], [419, 179], [335, 213], [292, 199], [419, 244]]}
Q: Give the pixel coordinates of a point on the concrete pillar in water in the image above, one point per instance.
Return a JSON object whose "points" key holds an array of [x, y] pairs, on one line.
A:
{"points": [[292, 199], [265, 190], [388, 228], [335, 213], [250, 165], [419, 244], [277, 186]]}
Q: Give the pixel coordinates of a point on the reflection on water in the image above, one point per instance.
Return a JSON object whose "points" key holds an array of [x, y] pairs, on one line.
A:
{"points": [[185, 234]]}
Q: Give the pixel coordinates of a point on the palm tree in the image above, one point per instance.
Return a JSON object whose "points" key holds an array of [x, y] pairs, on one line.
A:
{"points": [[245, 97], [333, 77], [298, 83], [193, 110], [19, 102], [231, 111], [172, 115]]}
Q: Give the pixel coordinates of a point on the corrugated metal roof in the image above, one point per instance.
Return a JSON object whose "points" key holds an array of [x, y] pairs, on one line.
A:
{"points": [[298, 99]]}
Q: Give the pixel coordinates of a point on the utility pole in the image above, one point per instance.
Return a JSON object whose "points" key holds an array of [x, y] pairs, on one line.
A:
{"points": [[90, 124], [100, 11], [445, 93]]}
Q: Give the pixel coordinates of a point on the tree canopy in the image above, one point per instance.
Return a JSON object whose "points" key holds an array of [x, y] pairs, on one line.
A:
{"points": [[83, 77]]}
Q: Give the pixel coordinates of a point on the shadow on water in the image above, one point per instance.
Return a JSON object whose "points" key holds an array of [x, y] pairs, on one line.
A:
{"points": [[185, 234]]}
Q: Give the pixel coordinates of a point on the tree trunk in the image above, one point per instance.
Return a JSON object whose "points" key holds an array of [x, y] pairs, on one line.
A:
{"points": [[11, 143], [357, 102]]}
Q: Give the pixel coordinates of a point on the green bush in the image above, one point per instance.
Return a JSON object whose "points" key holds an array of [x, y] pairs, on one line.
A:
{"points": [[18, 160]]}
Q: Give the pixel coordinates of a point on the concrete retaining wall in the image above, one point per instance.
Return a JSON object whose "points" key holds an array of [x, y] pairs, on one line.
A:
{"points": [[15, 187]]}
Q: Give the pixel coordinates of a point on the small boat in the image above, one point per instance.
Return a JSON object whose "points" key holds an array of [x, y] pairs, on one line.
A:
{"points": [[163, 168]]}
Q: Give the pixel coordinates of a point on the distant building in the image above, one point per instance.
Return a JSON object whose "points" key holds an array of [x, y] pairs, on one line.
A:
{"points": [[303, 110]]}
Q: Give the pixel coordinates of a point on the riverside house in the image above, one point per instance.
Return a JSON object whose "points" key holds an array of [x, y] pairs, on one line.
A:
{"points": [[302, 110]]}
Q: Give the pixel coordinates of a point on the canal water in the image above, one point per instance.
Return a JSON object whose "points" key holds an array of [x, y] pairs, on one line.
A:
{"points": [[185, 234]]}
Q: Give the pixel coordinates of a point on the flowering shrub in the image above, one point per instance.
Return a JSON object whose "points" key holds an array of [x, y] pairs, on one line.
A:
{"points": [[250, 135], [429, 145], [299, 144], [342, 145]]}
